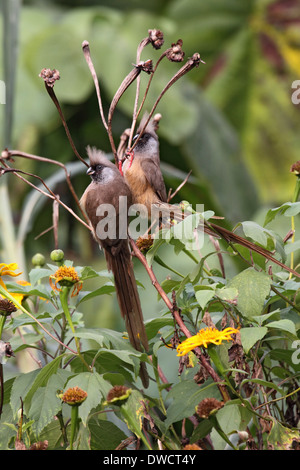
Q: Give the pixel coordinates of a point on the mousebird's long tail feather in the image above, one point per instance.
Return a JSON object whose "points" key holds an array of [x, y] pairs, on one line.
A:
{"points": [[128, 298]]}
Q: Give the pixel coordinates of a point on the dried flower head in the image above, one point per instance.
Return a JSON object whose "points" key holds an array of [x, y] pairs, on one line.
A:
{"points": [[5, 350], [145, 66], [74, 396], [49, 76], [118, 392], [175, 53], [156, 38], [144, 243], [192, 447], [41, 445], [208, 406], [196, 59], [66, 276], [205, 337], [295, 168], [6, 307]]}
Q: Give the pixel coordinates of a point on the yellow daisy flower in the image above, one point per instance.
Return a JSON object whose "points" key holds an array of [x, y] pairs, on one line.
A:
{"points": [[205, 337], [66, 276], [8, 270]]}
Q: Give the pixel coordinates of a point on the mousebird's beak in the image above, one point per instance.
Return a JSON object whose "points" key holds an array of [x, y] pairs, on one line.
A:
{"points": [[90, 171]]}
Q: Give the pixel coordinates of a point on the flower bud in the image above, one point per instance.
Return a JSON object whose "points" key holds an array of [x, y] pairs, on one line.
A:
{"points": [[38, 260], [57, 255]]}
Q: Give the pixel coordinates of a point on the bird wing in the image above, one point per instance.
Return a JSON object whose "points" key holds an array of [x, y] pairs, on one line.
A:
{"points": [[154, 177]]}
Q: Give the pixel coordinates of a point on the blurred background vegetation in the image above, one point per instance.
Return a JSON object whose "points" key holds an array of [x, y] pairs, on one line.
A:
{"points": [[231, 121]]}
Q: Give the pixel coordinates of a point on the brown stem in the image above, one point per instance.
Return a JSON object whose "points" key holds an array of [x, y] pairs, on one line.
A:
{"points": [[8, 154], [87, 55], [140, 48], [133, 74], [52, 95], [179, 320], [192, 62], [51, 195]]}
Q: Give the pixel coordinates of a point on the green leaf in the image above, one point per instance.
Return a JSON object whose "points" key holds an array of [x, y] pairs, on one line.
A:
{"points": [[106, 289], [7, 430], [253, 288], [154, 326], [186, 396], [88, 273], [105, 435], [45, 402], [95, 387], [201, 431], [284, 325], [259, 234], [204, 294], [37, 274], [281, 437], [106, 338], [157, 243], [250, 336], [264, 383], [15, 288], [233, 417], [289, 209], [132, 411], [228, 294], [20, 388], [41, 379]]}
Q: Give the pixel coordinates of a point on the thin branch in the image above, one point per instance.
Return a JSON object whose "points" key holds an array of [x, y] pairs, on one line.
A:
{"points": [[133, 74], [192, 62], [140, 48], [51, 195], [178, 319], [87, 55], [171, 195], [49, 77], [8, 154]]}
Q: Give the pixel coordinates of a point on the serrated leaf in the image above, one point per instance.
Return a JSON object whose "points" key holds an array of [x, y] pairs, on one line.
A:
{"points": [[45, 402], [20, 388], [26, 385], [95, 387], [253, 288]]}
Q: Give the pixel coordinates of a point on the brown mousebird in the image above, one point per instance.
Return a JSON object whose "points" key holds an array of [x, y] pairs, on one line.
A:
{"points": [[106, 188], [143, 175]]}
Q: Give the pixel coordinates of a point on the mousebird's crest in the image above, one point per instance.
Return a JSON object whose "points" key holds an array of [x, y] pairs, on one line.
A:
{"points": [[150, 128], [98, 157]]}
